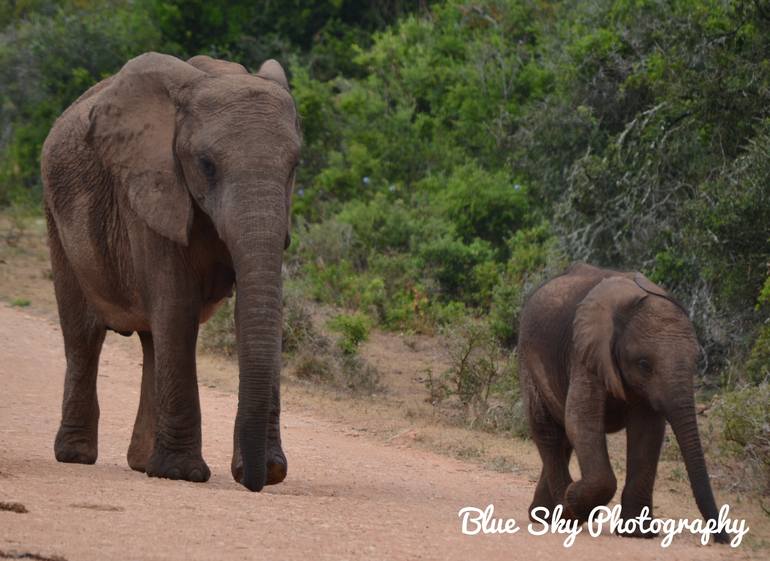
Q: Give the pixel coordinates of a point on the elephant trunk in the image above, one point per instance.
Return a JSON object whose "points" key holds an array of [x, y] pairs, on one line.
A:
{"points": [[684, 423], [256, 245]]}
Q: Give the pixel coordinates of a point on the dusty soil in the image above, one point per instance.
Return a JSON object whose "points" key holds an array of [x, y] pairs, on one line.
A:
{"points": [[365, 481], [346, 496]]}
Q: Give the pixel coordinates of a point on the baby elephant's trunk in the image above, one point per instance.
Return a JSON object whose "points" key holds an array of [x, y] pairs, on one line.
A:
{"points": [[684, 423]]}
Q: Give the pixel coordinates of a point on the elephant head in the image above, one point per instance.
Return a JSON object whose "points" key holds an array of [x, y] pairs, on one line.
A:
{"points": [[182, 141], [641, 345]]}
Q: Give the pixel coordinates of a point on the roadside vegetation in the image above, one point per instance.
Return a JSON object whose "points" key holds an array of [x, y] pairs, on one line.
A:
{"points": [[459, 152]]}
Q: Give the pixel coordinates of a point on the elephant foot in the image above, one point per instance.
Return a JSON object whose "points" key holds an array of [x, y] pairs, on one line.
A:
{"points": [[722, 537], [174, 465], [630, 513], [277, 466], [542, 506], [638, 534], [139, 455], [75, 446], [581, 497]]}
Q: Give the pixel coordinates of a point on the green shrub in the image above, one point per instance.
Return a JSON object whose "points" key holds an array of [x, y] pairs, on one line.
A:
{"points": [[323, 243], [218, 333], [374, 299], [314, 367], [758, 363], [359, 376], [297, 322], [331, 284], [743, 421], [354, 330], [380, 225], [534, 257], [452, 263], [484, 205], [507, 300], [481, 378], [49, 58], [339, 366]]}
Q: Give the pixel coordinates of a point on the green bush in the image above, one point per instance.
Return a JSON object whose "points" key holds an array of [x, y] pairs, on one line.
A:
{"points": [[218, 333], [48, 58], [743, 421], [758, 363], [481, 378], [454, 264], [534, 257], [354, 330], [339, 366], [358, 376], [298, 326], [313, 367], [467, 150], [323, 243], [484, 205]]}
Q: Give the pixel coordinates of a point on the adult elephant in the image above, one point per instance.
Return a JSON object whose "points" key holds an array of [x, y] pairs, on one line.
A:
{"points": [[164, 186], [601, 350]]}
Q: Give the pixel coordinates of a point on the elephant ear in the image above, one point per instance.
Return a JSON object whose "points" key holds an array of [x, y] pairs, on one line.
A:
{"points": [[216, 66], [594, 328], [272, 70], [648, 286], [131, 129]]}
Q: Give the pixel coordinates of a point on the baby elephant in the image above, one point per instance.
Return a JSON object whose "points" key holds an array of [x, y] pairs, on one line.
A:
{"points": [[602, 350]]}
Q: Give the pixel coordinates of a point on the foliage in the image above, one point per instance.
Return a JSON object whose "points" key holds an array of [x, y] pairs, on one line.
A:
{"points": [[533, 258], [481, 379], [354, 330], [457, 152], [44, 67], [297, 322], [758, 363], [743, 419], [340, 366], [218, 333]]}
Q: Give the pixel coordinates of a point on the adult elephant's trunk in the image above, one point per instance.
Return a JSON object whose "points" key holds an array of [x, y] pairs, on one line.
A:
{"points": [[256, 245], [683, 421]]}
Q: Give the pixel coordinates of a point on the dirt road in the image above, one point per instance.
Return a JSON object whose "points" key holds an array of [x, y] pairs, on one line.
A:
{"points": [[346, 497]]}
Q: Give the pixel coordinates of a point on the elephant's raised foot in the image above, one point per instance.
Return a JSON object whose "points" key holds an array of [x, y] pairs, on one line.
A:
{"points": [[582, 496], [189, 467], [75, 446]]}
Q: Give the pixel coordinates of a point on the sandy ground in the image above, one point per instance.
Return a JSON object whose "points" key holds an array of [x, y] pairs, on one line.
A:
{"points": [[365, 481], [346, 497]]}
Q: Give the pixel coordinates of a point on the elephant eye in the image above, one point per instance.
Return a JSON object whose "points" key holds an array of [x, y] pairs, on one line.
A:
{"points": [[208, 168], [644, 364]]}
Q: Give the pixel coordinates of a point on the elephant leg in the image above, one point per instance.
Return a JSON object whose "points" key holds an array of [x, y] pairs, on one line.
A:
{"points": [[644, 437], [177, 449], [143, 437], [77, 438], [277, 466], [555, 451], [584, 419]]}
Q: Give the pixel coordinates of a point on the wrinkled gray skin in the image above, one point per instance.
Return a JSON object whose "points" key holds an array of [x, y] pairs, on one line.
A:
{"points": [[164, 186], [599, 351]]}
